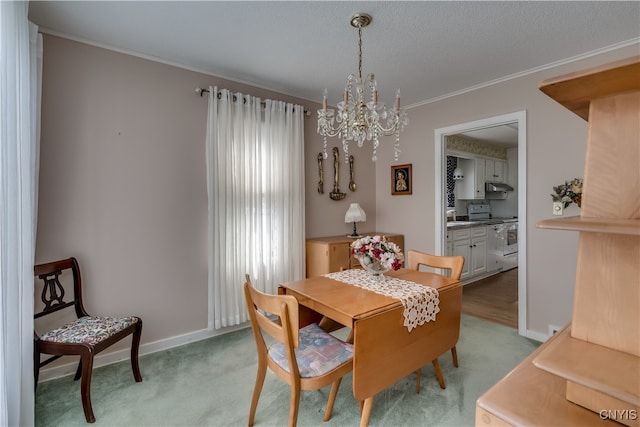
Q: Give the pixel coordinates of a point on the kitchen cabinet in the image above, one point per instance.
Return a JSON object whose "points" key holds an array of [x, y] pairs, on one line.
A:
{"points": [[330, 254], [477, 171], [589, 373], [495, 170], [462, 248], [478, 245], [470, 243], [472, 186]]}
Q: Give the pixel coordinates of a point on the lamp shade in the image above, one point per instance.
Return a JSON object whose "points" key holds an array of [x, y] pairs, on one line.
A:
{"points": [[355, 214], [458, 174]]}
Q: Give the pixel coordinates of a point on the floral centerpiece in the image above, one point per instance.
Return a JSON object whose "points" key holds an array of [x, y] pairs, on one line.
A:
{"points": [[376, 254], [570, 191]]}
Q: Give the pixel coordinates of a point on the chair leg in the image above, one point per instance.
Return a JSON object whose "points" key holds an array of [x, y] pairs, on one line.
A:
{"points": [[135, 346], [436, 366], [36, 369], [418, 376], [257, 389], [332, 398], [366, 411], [294, 404], [78, 374], [85, 385], [454, 354]]}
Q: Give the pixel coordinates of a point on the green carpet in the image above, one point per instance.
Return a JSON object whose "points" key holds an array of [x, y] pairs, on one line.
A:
{"points": [[209, 383]]}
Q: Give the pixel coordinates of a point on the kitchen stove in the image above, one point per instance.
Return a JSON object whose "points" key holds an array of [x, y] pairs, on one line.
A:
{"points": [[502, 237], [479, 212]]}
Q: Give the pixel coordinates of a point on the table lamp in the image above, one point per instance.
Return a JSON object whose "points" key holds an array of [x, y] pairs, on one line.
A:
{"points": [[355, 214]]}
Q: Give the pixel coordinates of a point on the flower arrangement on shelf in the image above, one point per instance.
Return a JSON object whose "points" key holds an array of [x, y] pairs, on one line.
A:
{"points": [[376, 254], [570, 191]]}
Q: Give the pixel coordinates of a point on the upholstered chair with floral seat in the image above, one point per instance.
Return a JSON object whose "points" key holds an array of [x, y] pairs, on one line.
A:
{"points": [[85, 335], [306, 358]]}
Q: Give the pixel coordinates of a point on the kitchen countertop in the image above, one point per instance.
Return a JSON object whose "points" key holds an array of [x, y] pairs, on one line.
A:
{"points": [[456, 225]]}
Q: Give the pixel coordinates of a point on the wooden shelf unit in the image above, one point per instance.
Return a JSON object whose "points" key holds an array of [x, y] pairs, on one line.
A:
{"points": [[595, 361], [593, 225], [581, 362]]}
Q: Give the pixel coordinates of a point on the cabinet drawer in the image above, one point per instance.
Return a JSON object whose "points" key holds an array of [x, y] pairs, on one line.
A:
{"points": [[479, 231], [465, 233]]}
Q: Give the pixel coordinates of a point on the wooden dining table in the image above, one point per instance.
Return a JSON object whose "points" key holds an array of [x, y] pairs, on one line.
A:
{"points": [[385, 351]]}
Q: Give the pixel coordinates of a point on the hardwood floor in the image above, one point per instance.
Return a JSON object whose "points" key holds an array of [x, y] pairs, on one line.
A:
{"points": [[494, 298]]}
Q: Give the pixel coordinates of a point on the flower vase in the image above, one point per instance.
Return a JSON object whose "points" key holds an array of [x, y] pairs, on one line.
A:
{"points": [[373, 266]]}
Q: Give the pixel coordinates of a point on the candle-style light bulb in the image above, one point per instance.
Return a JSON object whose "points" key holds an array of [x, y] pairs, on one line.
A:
{"points": [[398, 99], [324, 99]]}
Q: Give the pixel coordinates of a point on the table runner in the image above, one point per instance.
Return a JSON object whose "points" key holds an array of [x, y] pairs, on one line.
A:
{"points": [[420, 302]]}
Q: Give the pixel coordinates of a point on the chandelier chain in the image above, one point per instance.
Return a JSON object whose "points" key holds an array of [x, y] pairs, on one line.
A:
{"points": [[360, 51]]}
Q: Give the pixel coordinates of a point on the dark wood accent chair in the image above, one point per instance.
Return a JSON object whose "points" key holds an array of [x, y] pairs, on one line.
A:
{"points": [[85, 336]]}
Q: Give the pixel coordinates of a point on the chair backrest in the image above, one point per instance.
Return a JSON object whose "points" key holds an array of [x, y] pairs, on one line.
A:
{"points": [[452, 263], [262, 307], [59, 291]]}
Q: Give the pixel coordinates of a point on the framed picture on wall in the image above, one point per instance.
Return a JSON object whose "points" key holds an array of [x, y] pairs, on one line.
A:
{"points": [[401, 180]]}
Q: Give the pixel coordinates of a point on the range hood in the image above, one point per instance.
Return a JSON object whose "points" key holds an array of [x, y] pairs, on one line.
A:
{"points": [[496, 187]]}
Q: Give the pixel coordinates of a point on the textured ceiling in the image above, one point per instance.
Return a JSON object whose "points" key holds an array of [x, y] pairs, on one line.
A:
{"points": [[427, 49]]}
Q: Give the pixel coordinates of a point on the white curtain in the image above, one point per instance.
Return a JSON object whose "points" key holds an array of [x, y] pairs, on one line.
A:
{"points": [[20, 68], [255, 182]]}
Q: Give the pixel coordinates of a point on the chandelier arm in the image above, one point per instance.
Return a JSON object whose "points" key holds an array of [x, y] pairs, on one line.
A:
{"points": [[391, 130], [330, 131]]}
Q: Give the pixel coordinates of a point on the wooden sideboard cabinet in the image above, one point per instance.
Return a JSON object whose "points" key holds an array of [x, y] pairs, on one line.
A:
{"points": [[331, 254], [589, 373]]}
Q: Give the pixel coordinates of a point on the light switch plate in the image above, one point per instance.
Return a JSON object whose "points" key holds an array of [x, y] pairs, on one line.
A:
{"points": [[557, 208]]}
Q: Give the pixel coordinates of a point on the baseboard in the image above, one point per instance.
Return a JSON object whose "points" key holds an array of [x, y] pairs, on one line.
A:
{"points": [[536, 336], [104, 359]]}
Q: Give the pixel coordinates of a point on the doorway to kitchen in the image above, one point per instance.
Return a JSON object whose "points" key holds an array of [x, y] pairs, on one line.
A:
{"points": [[518, 120]]}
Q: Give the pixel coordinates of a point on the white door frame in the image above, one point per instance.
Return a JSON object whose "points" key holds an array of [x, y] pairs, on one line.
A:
{"points": [[440, 165]]}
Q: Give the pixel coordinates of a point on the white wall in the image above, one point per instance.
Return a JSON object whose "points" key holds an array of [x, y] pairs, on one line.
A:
{"points": [[556, 142]]}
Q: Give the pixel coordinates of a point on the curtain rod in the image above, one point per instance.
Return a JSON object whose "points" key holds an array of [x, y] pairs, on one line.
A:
{"points": [[200, 91]]}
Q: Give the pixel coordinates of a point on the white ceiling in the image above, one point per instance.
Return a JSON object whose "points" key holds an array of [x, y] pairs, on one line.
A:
{"points": [[427, 49], [502, 136]]}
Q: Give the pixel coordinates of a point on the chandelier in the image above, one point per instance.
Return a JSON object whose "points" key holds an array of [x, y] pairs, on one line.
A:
{"points": [[358, 120]]}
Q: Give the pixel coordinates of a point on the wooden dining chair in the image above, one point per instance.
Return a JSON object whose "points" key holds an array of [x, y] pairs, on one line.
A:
{"points": [[305, 358], [85, 336], [451, 264]]}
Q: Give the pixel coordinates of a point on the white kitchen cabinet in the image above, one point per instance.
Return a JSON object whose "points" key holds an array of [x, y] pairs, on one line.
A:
{"points": [[472, 186], [477, 171], [495, 170], [470, 243], [478, 183], [462, 248], [478, 245]]}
